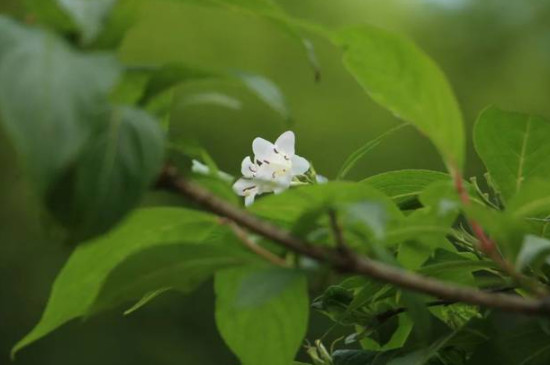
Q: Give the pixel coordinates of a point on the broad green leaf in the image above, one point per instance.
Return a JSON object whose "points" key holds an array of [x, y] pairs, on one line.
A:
{"points": [[270, 333], [172, 75], [152, 271], [512, 340], [534, 251], [404, 186], [88, 15], [367, 147], [113, 171], [38, 69], [211, 98], [293, 204], [532, 200], [266, 91], [514, 147], [423, 356], [82, 281], [456, 267], [402, 78], [261, 286]]}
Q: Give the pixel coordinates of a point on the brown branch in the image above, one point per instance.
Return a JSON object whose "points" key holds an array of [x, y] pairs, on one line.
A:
{"points": [[242, 235], [351, 263]]}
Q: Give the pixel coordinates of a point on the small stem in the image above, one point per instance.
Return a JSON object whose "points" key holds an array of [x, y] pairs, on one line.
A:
{"points": [[338, 233], [243, 236], [489, 247]]}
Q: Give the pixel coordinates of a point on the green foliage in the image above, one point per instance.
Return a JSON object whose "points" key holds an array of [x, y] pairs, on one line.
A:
{"points": [[534, 252], [269, 332], [135, 259], [113, 172], [401, 78], [291, 206], [363, 150], [39, 69], [513, 340], [404, 186], [88, 15], [513, 147], [85, 130], [160, 80]]}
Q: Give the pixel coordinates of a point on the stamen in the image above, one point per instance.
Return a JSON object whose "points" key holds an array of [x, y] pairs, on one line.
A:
{"points": [[259, 163], [287, 158], [249, 188], [275, 150], [266, 161], [251, 169]]}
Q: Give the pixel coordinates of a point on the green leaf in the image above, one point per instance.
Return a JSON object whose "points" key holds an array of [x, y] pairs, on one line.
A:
{"points": [[172, 75], [261, 286], [531, 201], [404, 186], [38, 69], [169, 76], [266, 91], [403, 79], [512, 340], [270, 333], [514, 148], [182, 266], [88, 15], [97, 270], [534, 252], [113, 172], [292, 205], [367, 147], [211, 98]]}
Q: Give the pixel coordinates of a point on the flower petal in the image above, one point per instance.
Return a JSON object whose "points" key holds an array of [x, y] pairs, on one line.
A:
{"points": [[245, 187], [299, 165], [285, 143], [248, 168], [263, 150], [282, 183], [249, 199]]}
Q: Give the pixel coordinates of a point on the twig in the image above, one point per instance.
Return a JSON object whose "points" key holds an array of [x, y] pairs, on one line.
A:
{"points": [[338, 234], [352, 263], [253, 246]]}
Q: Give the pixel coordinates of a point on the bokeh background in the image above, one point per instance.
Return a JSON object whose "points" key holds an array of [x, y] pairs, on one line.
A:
{"points": [[493, 51]]}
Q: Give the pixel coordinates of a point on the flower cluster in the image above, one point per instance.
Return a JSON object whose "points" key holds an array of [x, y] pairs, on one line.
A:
{"points": [[273, 168]]}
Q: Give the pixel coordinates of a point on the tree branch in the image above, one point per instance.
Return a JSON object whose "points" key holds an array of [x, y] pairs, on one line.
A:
{"points": [[349, 263]]}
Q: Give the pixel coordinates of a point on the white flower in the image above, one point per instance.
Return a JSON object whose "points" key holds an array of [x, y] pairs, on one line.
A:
{"points": [[273, 168]]}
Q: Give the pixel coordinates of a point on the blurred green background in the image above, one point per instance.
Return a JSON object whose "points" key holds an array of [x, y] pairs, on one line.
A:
{"points": [[493, 51]]}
